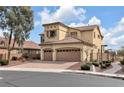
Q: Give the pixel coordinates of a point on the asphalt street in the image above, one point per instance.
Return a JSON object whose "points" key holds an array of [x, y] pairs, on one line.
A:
{"points": [[46, 79]]}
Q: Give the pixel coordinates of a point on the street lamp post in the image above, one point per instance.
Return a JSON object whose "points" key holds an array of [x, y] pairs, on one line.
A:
{"points": [[101, 50]]}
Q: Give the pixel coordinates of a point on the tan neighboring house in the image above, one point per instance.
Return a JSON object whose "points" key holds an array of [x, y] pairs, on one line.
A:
{"points": [[60, 42], [29, 48]]}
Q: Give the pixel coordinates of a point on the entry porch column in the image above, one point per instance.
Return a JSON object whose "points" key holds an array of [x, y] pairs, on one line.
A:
{"points": [[82, 55]]}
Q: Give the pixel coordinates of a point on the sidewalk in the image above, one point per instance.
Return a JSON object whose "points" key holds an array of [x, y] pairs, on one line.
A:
{"points": [[115, 67]]}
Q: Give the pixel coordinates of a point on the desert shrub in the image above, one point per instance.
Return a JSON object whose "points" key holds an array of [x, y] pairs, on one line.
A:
{"points": [[95, 64], [3, 62], [85, 67]]}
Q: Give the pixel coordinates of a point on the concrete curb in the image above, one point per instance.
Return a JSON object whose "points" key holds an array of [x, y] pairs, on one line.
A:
{"points": [[119, 76]]}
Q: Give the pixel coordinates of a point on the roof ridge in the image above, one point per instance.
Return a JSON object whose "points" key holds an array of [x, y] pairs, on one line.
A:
{"points": [[85, 26]]}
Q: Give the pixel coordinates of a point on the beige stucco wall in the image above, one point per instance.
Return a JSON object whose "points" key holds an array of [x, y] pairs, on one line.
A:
{"points": [[87, 36], [63, 32], [74, 30], [97, 41]]}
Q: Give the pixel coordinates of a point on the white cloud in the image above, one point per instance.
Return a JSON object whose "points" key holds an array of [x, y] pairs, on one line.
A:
{"points": [[115, 35], [63, 14], [37, 23], [94, 21], [77, 24]]}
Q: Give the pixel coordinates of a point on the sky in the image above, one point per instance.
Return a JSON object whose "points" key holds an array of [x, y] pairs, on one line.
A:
{"points": [[110, 20]]}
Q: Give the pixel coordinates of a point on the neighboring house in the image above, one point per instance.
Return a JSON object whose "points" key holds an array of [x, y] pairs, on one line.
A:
{"points": [[29, 48], [63, 43]]}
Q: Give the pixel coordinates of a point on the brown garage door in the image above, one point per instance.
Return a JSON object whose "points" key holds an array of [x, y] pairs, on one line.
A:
{"points": [[47, 55], [68, 55], [1, 56]]}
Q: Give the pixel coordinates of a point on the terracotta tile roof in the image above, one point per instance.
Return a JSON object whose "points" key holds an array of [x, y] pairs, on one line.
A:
{"points": [[67, 40], [31, 45], [27, 44]]}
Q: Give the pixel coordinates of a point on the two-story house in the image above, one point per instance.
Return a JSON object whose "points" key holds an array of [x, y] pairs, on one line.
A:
{"points": [[60, 42]]}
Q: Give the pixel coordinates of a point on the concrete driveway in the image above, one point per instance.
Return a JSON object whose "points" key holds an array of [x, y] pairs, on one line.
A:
{"points": [[46, 65]]}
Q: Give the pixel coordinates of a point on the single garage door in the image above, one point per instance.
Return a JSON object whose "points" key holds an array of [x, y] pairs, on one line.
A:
{"points": [[1, 56], [68, 55], [47, 55]]}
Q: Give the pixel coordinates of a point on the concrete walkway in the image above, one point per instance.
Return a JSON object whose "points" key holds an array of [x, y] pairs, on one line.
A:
{"points": [[115, 67]]}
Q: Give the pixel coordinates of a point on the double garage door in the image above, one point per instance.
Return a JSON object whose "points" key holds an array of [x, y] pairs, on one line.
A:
{"points": [[63, 55], [68, 55]]}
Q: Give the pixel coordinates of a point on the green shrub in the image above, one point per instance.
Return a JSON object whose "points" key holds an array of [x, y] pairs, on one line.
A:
{"points": [[3, 62], [122, 62], [85, 67], [95, 64], [108, 63]]}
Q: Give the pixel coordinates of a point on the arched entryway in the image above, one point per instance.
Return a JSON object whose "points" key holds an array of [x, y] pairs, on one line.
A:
{"points": [[68, 54]]}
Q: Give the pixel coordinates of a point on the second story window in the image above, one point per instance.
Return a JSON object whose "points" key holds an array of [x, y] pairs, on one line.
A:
{"points": [[98, 36], [51, 33], [94, 34]]}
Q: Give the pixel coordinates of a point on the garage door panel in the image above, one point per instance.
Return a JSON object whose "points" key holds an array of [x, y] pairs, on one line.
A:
{"points": [[48, 55], [68, 55]]}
